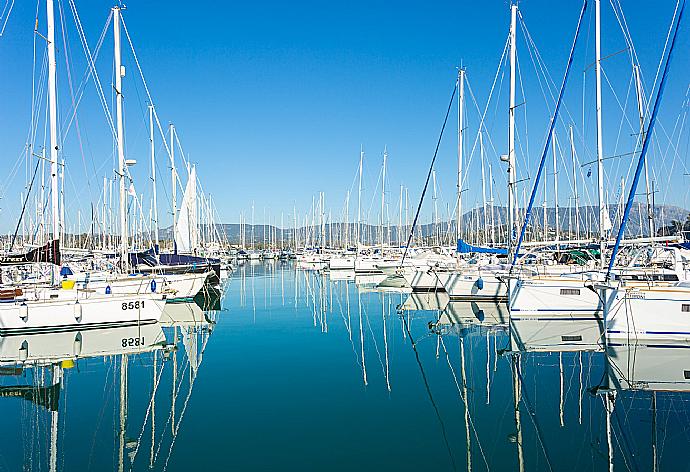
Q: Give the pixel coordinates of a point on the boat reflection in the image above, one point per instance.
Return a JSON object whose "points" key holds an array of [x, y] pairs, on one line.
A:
{"points": [[50, 363], [556, 335]]}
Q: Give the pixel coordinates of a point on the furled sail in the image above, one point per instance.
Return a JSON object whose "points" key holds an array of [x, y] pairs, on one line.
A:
{"points": [[187, 229], [48, 253]]}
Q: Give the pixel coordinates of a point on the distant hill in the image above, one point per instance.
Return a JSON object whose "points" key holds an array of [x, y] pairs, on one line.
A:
{"points": [[473, 221]]}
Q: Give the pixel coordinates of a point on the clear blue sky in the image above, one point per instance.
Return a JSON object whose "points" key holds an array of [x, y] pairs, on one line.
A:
{"points": [[272, 100]]}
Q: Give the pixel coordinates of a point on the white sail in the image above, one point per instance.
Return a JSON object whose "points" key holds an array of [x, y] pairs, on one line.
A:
{"points": [[187, 229]]}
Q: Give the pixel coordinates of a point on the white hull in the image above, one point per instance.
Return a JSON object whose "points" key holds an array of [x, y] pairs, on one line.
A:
{"points": [[554, 298], [71, 310], [367, 265], [342, 263], [477, 285], [656, 314], [426, 280], [175, 286]]}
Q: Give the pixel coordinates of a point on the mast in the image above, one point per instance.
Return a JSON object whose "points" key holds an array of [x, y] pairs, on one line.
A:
{"points": [[435, 236], [461, 117], [555, 192], [640, 109], [577, 204], [600, 146], [383, 194], [359, 198], [119, 73], [153, 177], [173, 174], [400, 216], [481, 154], [491, 196], [52, 113], [105, 211], [511, 134]]}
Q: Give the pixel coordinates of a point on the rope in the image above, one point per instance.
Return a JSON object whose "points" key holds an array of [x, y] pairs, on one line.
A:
{"points": [[645, 145], [528, 213], [428, 175], [26, 200]]}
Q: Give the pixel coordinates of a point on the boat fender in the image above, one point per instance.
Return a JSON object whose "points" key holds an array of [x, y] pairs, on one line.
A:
{"points": [[24, 351], [76, 348], [24, 312], [153, 285], [108, 290], [77, 311], [480, 283]]}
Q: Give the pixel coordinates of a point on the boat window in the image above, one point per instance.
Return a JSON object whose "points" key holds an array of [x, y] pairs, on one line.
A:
{"points": [[570, 291], [685, 308], [570, 339]]}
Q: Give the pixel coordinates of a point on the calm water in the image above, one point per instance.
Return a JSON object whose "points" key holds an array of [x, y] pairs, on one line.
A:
{"points": [[301, 372]]}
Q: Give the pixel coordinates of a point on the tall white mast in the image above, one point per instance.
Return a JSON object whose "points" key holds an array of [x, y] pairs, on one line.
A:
{"points": [[400, 216], [119, 73], [105, 212], [359, 198], [383, 193], [577, 204], [555, 190], [173, 175], [600, 146], [435, 235], [491, 196], [52, 113], [481, 154], [511, 132], [153, 176], [640, 109], [461, 125]]}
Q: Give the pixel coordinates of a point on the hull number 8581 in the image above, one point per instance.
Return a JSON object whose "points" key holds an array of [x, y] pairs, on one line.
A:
{"points": [[133, 305]]}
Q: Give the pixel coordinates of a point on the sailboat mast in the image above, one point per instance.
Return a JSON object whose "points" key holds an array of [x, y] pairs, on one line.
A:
{"points": [[555, 192], [52, 112], [511, 134], [119, 73], [461, 118], [481, 154], [640, 109], [383, 194], [359, 197], [600, 146], [153, 177], [173, 175], [577, 203]]}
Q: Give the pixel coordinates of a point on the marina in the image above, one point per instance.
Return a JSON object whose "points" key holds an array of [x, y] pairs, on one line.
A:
{"points": [[206, 265]]}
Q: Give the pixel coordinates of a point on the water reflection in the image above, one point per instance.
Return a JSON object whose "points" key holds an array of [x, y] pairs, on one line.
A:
{"points": [[54, 374], [304, 360]]}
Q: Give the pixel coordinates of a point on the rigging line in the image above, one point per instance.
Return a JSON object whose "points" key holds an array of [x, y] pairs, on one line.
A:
{"points": [[85, 78], [623, 24], [549, 136], [26, 200], [72, 97], [428, 175], [91, 61], [428, 391], [663, 52], [146, 88], [645, 144], [6, 12], [482, 123]]}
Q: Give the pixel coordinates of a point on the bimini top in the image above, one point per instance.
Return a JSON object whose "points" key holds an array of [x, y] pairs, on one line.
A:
{"points": [[465, 248]]}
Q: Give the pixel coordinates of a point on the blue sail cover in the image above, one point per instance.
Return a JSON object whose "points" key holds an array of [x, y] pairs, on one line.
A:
{"points": [[465, 248]]}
